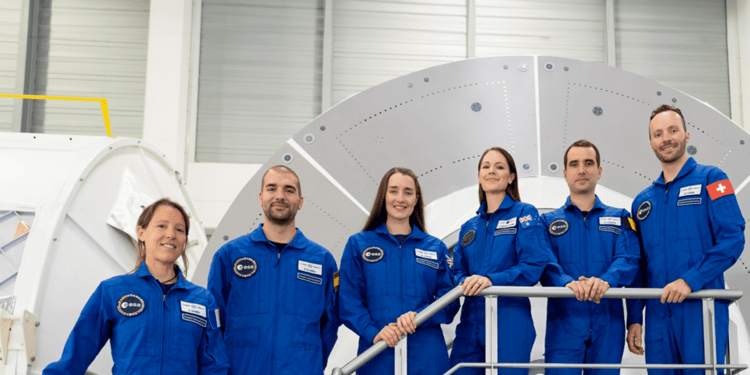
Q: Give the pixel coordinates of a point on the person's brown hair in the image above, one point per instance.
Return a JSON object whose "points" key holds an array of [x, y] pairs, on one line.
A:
{"points": [[665, 108], [145, 219], [378, 213], [585, 144], [512, 189]]}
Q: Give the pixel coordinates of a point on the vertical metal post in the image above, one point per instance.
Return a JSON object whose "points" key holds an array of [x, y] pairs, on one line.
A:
{"points": [[709, 339], [400, 357], [490, 338]]}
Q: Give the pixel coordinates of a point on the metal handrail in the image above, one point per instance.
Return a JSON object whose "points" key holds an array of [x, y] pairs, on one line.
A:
{"points": [[544, 292]]}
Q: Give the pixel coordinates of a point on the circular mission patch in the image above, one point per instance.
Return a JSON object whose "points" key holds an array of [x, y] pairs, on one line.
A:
{"points": [[468, 237], [131, 305], [558, 227], [245, 267], [373, 254], [643, 210]]}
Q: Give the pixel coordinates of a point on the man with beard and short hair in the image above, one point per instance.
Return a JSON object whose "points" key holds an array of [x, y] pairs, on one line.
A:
{"points": [[691, 231], [596, 248], [276, 289]]}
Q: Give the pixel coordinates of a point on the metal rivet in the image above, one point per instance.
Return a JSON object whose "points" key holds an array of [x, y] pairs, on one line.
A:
{"points": [[566, 68], [523, 67], [658, 93], [742, 142], [549, 66], [323, 128], [526, 167], [287, 158], [410, 85], [476, 107], [552, 167], [226, 238], [309, 138], [674, 100], [505, 67], [692, 150], [598, 111], [426, 79]]}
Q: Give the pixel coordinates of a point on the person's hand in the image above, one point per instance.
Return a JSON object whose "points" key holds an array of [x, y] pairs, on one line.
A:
{"points": [[472, 285], [389, 334], [595, 289], [676, 291], [635, 339], [578, 289], [406, 323]]}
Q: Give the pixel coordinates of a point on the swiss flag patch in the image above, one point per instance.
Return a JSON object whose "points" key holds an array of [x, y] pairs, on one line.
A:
{"points": [[719, 189]]}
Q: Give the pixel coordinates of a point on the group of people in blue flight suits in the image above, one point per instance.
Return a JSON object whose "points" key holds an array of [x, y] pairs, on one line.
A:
{"points": [[275, 299]]}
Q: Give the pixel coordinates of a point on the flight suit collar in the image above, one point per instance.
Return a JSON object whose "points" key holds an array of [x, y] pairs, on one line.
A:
{"points": [[416, 233], [597, 204], [143, 272], [687, 168], [298, 242], [506, 203]]}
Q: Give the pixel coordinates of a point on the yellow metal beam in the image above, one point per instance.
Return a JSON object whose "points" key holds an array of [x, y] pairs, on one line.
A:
{"points": [[102, 101]]}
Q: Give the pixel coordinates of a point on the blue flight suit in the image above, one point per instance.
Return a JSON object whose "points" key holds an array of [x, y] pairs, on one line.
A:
{"points": [[150, 332], [511, 248], [381, 280], [603, 244], [278, 306], [686, 233]]}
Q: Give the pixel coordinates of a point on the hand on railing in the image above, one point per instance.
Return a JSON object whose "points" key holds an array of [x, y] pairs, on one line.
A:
{"points": [[588, 288], [474, 284], [635, 338], [407, 323], [676, 291], [390, 334]]}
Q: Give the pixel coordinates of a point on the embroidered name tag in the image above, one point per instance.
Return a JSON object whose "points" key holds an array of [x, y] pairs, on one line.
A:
{"points": [[610, 221], [426, 254], [689, 201], [315, 269], [428, 263], [309, 279], [609, 229], [690, 190], [193, 308], [194, 319], [510, 223], [505, 231]]}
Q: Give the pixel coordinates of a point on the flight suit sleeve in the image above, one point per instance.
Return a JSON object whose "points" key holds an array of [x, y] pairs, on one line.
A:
{"points": [[533, 252], [212, 354], [553, 275], [727, 225], [330, 320], [635, 305], [90, 333], [353, 295], [218, 282], [460, 263], [624, 266], [444, 285]]}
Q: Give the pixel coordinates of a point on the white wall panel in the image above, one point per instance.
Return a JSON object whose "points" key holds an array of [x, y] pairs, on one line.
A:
{"points": [[94, 49], [572, 29], [375, 41], [681, 43], [260, 76], [10, 23]]}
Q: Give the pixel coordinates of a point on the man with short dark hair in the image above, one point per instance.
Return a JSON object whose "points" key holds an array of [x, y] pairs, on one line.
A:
{"points": [[596, 248], [691, 232], [276, 289]]}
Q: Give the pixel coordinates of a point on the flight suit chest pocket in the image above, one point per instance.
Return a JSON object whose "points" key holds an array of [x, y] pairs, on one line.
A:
{"points": [[135, 314], [376, 266], [420, 277], [601, 245], [308, 281], [188, 321], [250, 285], [563, 242]]}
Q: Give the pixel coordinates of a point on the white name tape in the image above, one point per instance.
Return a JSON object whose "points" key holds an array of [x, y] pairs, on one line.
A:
{"points": [[690, 190], [426, 254], [315, 269], [506, 223], [609, 221], [193, 308]]}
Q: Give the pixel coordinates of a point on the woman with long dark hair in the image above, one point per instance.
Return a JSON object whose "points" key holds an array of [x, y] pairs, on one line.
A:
{"points": [[392, 270], [157, 321], [505, 244]]}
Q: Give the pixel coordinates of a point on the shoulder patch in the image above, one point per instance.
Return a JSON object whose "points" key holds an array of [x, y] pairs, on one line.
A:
{"points": [[468, 238], [373, 254], [719, 189], [558, 227], [245, 267], [336, 282], [131, 305], [644, 209], [629, 223]]}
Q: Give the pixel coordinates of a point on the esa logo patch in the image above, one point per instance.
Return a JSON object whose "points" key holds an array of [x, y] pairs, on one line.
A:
{"points": [[373, 254], [245, 267], [468, 237], [643, 210], [558, 227], [130, 305]]}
